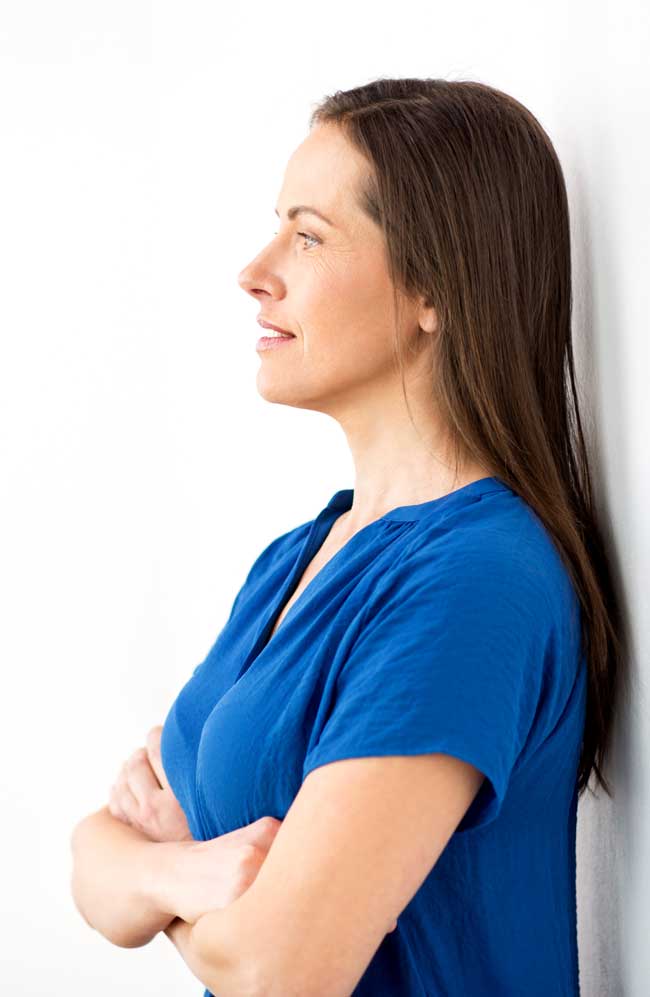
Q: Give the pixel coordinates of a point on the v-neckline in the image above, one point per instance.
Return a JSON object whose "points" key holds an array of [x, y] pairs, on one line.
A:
{"points": [[316, 535], [305, 561], [321, 526], [316, 538]]}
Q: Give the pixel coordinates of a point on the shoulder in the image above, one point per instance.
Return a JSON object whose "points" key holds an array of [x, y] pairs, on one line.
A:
{"points": [[499, 538], [492, 561]]}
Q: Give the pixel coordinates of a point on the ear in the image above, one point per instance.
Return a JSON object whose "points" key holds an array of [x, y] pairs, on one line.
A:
{"points": [[427, 318]]}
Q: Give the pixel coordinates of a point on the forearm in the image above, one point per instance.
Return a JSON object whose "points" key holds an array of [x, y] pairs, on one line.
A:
{"points": [[180, 933], [118, 879]]}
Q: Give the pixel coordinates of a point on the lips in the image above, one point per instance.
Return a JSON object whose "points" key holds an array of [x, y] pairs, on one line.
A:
{"points": [[276, 328]]}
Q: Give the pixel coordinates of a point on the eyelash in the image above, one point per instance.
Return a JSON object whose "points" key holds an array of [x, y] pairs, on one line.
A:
{"points": [[306, 235]]}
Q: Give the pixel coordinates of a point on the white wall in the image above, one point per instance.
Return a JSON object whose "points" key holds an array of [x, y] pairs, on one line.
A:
{"points": [[141, 151]]}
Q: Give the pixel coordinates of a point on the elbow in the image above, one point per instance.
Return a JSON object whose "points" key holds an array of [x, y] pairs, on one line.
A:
{"points": [[85, 899], [115, 936], [226, 964], [80, 910], [74, 838], [130, 941], [77, 893], [75, 887]]}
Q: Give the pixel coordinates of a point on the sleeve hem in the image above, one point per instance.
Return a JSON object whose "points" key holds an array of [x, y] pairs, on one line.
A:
{"points": [[484, 808]]}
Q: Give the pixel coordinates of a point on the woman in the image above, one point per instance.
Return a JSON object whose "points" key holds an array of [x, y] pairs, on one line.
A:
{"points": [[416, 684]]}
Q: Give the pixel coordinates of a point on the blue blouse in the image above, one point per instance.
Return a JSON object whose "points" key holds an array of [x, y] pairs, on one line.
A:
{"points": [[446, 626]]}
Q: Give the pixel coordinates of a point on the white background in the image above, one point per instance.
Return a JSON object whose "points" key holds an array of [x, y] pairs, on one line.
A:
{"points": [[142, 148]]}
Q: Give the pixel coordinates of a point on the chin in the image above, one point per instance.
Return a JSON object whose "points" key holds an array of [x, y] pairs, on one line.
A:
{"points": [[273, 389]]}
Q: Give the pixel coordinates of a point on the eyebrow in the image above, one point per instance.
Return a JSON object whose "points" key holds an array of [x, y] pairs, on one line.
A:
{"points": [[300, 209]]}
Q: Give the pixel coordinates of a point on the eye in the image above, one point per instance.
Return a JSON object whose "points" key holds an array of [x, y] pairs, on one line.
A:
{"points": [[305, 235]]}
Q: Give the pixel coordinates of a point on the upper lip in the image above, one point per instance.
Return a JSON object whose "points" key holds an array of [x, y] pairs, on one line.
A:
{"points": [[267, 325]]}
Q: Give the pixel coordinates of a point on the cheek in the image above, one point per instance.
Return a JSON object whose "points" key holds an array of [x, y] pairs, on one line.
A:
{"points": [[347, 352], [348, 321]]}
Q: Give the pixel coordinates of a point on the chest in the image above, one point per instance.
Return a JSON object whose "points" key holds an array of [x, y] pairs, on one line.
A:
{"points": [[236, 738]]}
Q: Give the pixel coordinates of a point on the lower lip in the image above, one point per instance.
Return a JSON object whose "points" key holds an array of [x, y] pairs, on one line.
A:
{"points": [[273, 342]]}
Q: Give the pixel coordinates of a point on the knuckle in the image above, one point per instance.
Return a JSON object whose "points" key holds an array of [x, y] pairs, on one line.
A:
{"points": [[154, 735], [137, 758], [249, 856], [248, 866]]}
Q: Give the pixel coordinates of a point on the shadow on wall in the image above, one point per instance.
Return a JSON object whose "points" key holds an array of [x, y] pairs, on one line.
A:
{"points": [[604, 852]]}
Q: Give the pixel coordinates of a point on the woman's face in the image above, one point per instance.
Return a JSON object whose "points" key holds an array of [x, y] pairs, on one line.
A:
{"points": [[328, 284]]}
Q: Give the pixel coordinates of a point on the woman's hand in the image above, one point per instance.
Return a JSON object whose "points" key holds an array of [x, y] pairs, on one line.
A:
{"points": [[212, 874], [142, 797]]}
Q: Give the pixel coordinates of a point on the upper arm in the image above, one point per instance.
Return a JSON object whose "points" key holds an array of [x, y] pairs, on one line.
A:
{"points": [[358, 841]]}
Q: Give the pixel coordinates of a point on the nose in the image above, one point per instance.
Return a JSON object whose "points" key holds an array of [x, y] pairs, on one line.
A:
{"points": [[250, 278], [243, 279], [258, 279], [252, 286]]}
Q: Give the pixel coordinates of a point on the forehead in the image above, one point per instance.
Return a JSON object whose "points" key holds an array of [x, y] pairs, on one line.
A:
{"points": [[324, 172]]}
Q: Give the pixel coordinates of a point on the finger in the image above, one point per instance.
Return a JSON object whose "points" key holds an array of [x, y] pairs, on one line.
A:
{"points": [[261, 832], [155, 759], [122, 804], [128, 805], [121, 780], [141, 778], [114, 805]]}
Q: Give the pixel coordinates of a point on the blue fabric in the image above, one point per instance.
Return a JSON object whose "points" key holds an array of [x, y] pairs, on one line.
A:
{"points": [[447, 626]]}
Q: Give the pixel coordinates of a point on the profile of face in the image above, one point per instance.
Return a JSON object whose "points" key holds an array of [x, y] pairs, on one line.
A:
{"points": [[327, 282]]}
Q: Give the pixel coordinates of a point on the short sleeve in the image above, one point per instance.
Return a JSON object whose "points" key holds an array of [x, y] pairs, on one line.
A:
{"points": [[451, 659]]}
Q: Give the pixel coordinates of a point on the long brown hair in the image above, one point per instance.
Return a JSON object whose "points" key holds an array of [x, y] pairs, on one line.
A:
{"points": [[469, 193]]}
